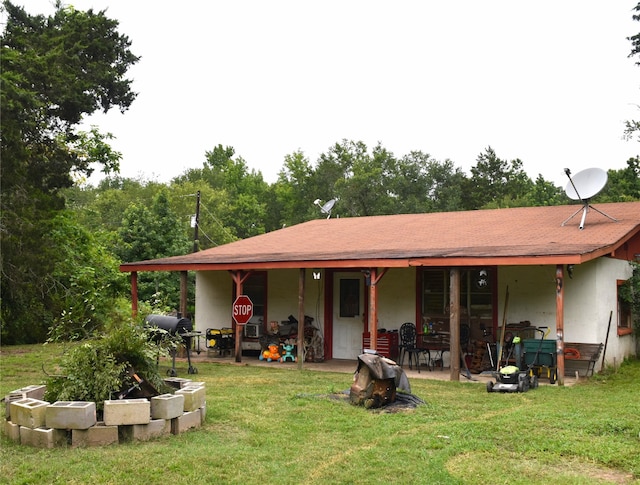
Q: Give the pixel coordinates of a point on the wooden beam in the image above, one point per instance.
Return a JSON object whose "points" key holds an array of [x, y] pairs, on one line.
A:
{"points": [[560, 323], [301, 322], [239, 277], [183, 293], [454, 324], [375, 276], [134, 294]]}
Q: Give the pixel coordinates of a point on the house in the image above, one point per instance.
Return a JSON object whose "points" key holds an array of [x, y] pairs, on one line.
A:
{"points": [[471, 270]]}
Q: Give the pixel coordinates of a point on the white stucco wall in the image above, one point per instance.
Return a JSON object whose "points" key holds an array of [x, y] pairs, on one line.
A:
{"points": [[589, 298], [396, 298], [213, 300], [214, 293]]}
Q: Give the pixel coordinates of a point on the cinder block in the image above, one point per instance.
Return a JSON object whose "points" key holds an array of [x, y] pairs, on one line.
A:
{"points": [[144, 432], [167, 406], [187, 421], [127, 411], [43, 437], [8, 399], [30, 413], [12, 431], [177, 382], [71, 415], [99, 435], [33, 392], [203, 413], [194, 397], [194, 384]]}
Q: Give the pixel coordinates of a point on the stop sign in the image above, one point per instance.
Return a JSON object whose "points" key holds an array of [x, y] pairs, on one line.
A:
{"points": [[242, 309]]}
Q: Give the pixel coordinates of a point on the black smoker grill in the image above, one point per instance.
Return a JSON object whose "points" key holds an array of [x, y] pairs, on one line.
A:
{"points": [[181, 327]]}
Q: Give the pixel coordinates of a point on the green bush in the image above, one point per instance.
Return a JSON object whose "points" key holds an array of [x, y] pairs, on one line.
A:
{"points": [[100, 368]]}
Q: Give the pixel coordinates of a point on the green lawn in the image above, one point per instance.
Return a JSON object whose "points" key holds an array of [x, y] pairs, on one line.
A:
{"points": [[280, 426]]}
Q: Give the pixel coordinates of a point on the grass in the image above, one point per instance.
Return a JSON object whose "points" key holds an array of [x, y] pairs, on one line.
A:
{"points": [[279, 425]]}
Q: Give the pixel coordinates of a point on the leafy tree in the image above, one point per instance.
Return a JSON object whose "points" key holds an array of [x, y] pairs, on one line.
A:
{"points": [[54, 71], [151, 233], [291, 197], [246, 190], [632, 127], [623, 185], [495, 182]]}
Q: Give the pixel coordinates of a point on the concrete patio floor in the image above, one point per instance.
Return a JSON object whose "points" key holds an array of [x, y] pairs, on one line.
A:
{"points": [[345, 366]]}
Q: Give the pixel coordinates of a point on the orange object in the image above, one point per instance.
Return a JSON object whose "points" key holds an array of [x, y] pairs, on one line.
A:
{"points": [[571, 353]]}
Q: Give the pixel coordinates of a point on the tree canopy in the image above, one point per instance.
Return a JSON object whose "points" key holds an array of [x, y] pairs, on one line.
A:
{"points": [[62, 240]]}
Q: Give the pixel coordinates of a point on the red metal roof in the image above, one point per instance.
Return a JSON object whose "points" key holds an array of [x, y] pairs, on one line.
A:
{"points": [[528, 235]]}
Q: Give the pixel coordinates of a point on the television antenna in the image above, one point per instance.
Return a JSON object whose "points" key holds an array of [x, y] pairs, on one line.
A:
{"points": [[326, 207], [584, 185]]}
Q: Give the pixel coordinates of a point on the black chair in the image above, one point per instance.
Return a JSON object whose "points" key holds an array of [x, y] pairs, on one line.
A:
{"points": [[408, 345]]}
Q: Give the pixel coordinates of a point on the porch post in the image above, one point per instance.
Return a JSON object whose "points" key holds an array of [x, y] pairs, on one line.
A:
{"points": [[454, 324], [560, 323], [183, 293], [374, 279], [238, 279], [373, 309], [134, 294], [301, 322]]}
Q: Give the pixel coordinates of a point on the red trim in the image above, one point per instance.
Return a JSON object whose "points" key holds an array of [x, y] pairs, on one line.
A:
{"points": [[624, 331]]}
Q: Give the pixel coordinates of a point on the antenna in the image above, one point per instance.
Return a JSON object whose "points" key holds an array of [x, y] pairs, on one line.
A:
{"points": [[326, 207], [584, 185]]}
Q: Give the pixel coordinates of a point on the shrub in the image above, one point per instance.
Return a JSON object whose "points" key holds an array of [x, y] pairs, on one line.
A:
{"points": [[100, 368]]}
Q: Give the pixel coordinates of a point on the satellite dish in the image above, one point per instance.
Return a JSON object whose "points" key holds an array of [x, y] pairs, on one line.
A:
{"points": [[584, 185], [326, 207]]}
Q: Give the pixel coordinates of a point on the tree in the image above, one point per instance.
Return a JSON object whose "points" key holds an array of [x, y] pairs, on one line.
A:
{"points": [[495, 182], [150, 233], [54, 71], [632, 127]]}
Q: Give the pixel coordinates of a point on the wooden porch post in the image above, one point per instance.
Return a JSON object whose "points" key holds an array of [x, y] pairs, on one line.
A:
{"points": [[374, 279], [183, 293], [301, 322], [454, 324], [239, 278], [560, 323], [134, 294]]}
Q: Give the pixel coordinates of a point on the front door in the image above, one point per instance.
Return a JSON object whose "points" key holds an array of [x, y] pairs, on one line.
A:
{"points": [[348, 314]]}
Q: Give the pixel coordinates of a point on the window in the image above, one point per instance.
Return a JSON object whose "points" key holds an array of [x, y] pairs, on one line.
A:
{"points": [[349, 297], [625, 314], [255, 287], [476, 294]]}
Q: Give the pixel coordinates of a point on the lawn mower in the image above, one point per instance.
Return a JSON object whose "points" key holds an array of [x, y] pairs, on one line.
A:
{"points": [[510, 378]]}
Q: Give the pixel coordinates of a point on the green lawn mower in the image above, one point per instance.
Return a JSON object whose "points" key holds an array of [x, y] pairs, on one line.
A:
{"points": [[510, 378]]}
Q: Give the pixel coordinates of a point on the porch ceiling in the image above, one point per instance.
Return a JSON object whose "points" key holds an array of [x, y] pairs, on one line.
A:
{"points": [[529, 235]]}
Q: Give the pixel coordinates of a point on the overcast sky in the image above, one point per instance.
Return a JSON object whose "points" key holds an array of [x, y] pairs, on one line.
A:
{"points": [[548, 82]]}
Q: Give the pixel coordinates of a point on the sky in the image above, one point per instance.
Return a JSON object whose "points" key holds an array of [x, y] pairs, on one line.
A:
{"points": [[547, 82]]}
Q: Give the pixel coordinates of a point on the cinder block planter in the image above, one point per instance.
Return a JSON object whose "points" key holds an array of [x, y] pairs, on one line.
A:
{"points": [[42, 437], [127, 411], [167, 406], [177, 382], [99, 435], [30, 413], [194, 397], [71, 415], [145, 432], [12, 431], [40, 424], [187, 421]]}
